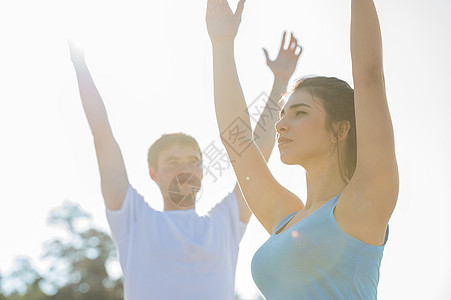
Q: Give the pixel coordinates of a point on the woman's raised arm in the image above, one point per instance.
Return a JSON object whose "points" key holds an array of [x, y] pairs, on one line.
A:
{"points": [[268, 200], [376, 167]]}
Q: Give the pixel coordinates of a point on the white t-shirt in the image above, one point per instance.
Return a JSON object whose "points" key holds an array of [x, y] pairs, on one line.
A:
{"points": [[177, 254]]}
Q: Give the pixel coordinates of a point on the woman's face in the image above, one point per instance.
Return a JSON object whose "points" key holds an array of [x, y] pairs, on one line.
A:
{"points": [[301, 130]]}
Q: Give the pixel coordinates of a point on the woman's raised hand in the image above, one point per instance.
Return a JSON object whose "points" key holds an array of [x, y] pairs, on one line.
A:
{"points": [[222, 23]]}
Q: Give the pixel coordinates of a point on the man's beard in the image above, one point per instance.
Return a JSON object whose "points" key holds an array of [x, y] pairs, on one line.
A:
{"points": [[183, 188]]}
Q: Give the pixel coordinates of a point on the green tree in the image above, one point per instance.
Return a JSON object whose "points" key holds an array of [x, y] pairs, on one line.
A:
{"points": [[78, 269], [77, 264], [2, 295], [24, 282]]}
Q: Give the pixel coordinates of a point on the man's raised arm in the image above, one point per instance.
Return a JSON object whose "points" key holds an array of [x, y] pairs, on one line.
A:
{"points": [[111, 164]]}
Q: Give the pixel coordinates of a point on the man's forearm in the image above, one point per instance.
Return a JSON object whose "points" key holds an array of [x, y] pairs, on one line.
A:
{"points": [[92, 102], [264, 133]]}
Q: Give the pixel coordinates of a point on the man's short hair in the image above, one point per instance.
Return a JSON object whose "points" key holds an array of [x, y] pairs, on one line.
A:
{"points": [[168, 140]]}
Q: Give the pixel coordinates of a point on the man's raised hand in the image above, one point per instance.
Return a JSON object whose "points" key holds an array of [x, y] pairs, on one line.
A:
{"points": [[77, 55], [285, 64]]}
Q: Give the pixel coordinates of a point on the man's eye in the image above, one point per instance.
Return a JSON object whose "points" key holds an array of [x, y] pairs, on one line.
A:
{"points": [[300, 113], [195, 163]]}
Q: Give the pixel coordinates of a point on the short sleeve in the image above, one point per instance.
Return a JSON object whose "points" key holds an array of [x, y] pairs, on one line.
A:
{"points": [[123, 220], [228, 211]]}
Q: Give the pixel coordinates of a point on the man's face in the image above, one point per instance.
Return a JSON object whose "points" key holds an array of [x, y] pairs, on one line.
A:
{"points": [[178, 174]]}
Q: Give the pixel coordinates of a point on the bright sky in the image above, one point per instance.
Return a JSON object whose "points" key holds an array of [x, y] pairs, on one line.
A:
{"points": [[151, 61]]}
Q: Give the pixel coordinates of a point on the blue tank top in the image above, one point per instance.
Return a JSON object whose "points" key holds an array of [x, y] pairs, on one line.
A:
{"points": [[316, 259]]}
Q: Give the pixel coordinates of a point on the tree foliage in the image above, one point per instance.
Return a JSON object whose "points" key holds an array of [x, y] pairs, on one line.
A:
{"points": [[78, 264]]}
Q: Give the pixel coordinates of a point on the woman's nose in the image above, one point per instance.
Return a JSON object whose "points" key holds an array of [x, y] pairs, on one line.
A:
{"points": [[280, 126]]}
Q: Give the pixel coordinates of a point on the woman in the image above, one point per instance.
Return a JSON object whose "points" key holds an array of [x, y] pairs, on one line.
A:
{"points": [[331, 247]]}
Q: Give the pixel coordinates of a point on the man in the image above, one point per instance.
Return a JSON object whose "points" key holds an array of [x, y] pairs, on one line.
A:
{"points": [[174, 254]]}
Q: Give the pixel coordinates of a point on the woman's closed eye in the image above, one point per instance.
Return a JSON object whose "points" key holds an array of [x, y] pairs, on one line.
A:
{"points": [[301, 113]]}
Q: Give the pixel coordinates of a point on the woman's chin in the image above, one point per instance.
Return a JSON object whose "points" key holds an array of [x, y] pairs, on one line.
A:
{"points": [[287, 160]]}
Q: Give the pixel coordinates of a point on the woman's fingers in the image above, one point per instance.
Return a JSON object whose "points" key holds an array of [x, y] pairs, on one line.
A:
{"points": [[222, 22], [213, 5], [210, 5], [239, 9]]}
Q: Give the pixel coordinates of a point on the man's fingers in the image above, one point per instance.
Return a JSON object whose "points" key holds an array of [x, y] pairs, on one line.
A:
{"points": [[282, 43], [293, 42], [73, 47], [71, 44], [268, 60], [298, 50]]}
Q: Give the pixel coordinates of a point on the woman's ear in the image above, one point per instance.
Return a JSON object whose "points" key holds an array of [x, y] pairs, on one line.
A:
{"points": [[340, 130]]}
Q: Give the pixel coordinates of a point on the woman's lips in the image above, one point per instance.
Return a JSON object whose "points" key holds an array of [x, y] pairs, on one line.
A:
{"points": [[283, 141]]}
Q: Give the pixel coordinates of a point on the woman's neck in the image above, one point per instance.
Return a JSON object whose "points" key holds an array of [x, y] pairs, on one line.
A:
{"points": [[323, 183]]}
